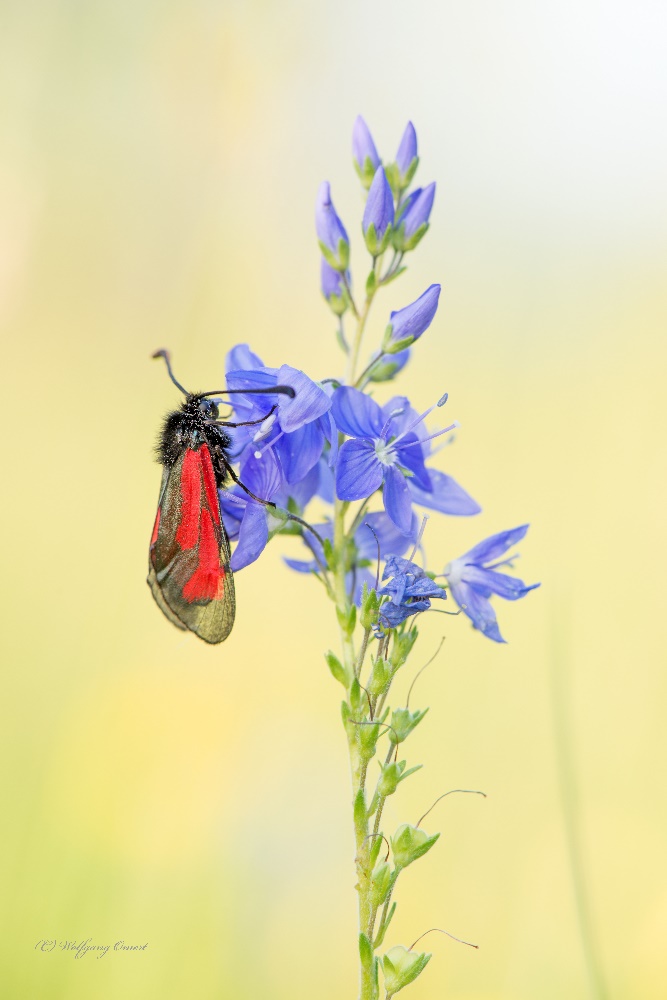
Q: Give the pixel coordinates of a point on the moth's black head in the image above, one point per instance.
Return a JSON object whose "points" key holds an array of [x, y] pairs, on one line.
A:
{"points": [[206, 407], [190, 427], [199, 409]]}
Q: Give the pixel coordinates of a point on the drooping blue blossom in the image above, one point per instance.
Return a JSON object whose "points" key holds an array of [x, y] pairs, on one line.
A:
{"points": [[412, 221], [378, 214], [407, 325], [474, 577], [406, 157], [247, 521], [387, 448], [332, 284], [410, 590], [331, 233], [366, 158]]}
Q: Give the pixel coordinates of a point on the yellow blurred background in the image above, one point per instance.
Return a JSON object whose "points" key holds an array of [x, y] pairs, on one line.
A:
{"points": [[157, 178]]}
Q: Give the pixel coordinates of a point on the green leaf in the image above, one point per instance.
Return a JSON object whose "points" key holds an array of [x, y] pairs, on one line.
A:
{"points": [[384, 927], [365, 951], [360, 810], [337, 669]]}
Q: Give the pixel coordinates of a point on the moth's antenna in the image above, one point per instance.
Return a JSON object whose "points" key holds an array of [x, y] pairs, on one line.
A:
{"points": [[165, 354], [286, 390]]}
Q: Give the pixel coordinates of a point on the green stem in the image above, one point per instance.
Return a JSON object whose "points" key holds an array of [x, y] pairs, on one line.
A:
{"points": [[358, 761]]}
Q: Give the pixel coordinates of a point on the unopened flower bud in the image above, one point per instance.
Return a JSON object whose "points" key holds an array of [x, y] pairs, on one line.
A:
{"points": [[401, 967], [401, 172], [378, 214], [333, 238], [410, 843], [412, 221], [333, 287], [403, 721], [366, 158], [407, 325]]}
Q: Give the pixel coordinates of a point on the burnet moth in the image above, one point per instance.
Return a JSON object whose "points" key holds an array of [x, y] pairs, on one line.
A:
{"points": [[188, 562]]}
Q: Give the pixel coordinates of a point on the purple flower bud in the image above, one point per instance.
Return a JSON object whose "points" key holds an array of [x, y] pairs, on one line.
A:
{"points": [[407, 324], [333, 287], [378, 214], [413, 219], [331, 234], [407, 154], [366, 158]]}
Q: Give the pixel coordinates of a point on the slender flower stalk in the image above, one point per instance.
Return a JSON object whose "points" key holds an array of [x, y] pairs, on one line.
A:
{"points": [[370, 461]]}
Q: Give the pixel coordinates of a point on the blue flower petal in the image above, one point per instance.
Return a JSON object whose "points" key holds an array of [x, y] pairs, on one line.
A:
{"points": [[326, 485], [478, 609], [397, 499], [300, 566], [301, 492], [509, 587], [309, 403], [232, 508], [261, 475], [411, 456], [359, 472], [328, 425], [247, 379], [253, 536], [356, 414], [242, 357], [494, 546], [300, 451], [445, 496]]}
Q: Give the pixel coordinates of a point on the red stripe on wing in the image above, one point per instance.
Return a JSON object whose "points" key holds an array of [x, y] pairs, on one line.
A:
{"points": [[188, 528], [210, 488], [207, 583]]}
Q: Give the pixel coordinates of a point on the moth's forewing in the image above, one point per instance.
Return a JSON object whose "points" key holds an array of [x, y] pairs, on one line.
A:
{"points": [[189, 572]]}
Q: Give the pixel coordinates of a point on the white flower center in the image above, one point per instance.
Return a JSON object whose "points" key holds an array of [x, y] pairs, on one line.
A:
{"points": [[385, 452], [454, 571]]}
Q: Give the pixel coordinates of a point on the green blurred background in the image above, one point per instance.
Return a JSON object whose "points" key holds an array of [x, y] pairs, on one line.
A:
{"points": [[157, 178]]}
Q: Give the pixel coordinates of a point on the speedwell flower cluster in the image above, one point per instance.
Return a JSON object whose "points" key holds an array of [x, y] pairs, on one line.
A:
{"points": [[333, 440], [367, 461]]}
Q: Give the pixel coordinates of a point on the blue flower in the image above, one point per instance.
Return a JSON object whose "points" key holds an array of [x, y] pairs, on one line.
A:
{"points": [[387, 449], [472, 581], [406, 157], [334, 242], [366, 158], [297, 428], [333, 287], [378, 214], [410, 590], [247, 521], [412, 221], [407, 325]]}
